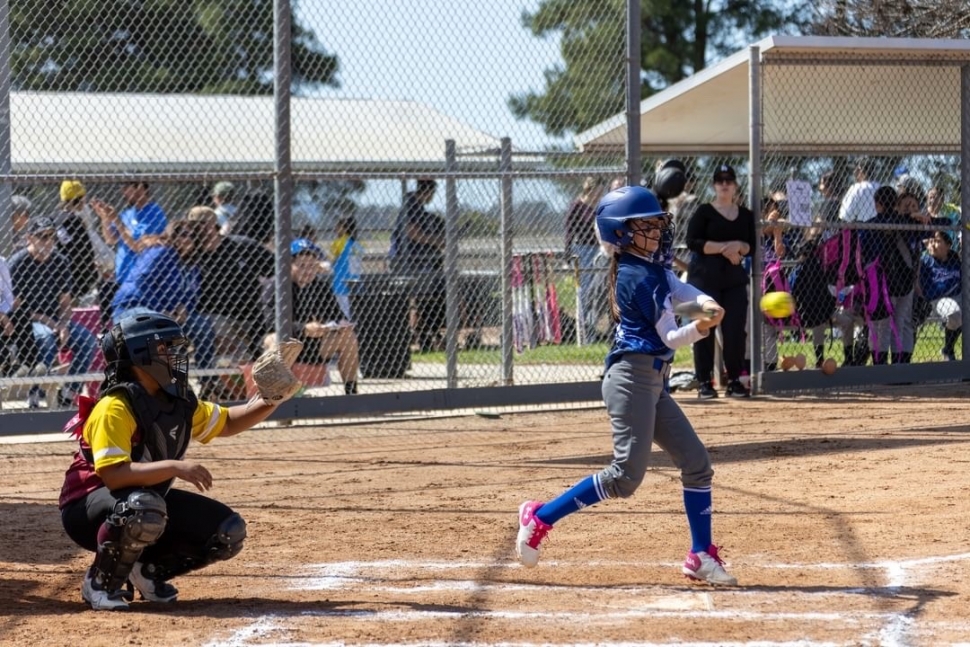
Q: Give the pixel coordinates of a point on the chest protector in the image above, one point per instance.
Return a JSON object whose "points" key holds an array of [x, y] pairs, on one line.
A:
{"points": [[162, 432]]}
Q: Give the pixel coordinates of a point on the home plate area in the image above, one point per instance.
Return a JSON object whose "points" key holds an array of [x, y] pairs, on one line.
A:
{"points": [[411, 603]]}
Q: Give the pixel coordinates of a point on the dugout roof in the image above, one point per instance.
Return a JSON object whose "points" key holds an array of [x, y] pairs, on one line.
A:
{"points": [[90, 133], [867, 85]]}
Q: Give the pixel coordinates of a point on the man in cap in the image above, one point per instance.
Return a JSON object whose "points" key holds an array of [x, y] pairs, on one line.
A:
{"points": [[43, 285], [78, 239]]}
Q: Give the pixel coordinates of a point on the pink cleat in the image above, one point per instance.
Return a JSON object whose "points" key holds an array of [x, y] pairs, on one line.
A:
{"points": [[531, 533], [707, 566]]}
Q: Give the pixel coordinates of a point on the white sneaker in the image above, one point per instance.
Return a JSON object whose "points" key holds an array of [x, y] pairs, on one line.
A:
{"points": [[707, 566], [22, 371], [101, 600], [39, 369], [531, 533], [151, 590]]}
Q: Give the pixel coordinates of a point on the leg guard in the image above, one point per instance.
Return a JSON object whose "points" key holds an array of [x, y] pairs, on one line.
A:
{"points": [[225, 544], [136, 523]]}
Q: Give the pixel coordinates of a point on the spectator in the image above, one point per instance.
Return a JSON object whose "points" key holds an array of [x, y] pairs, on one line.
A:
{"points": [[857, 204], [79, 240], [942, 213], [830, 185], [43, 287], [897, 254], [413, 209], [583, 245], [233, 272], [223, 197], [347, 258], [162, 280], [20, 355], [140, 217], [317, 320], [256, 218], [720, 234], [420, 254], [940, 284], [19, 217]]}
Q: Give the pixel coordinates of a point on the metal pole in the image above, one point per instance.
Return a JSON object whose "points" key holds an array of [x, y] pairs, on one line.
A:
{"points": [[283, 195], [451, 265], [506, 224], [6, 164], [633, 162], [754, 190], [965, 201]]}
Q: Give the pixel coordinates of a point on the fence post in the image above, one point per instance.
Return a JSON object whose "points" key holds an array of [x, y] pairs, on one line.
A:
{"points": [[754, 190], [6, 165], [451, 265], [633, 163], [283, 195], [965, 203], [506, 224]]}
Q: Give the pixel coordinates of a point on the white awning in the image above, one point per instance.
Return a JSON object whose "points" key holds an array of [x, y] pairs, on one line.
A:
{"points": [[836, 95], [92, 133]]}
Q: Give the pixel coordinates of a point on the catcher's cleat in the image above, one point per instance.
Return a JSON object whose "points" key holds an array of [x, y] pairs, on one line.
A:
{"points": [[707, 566], [152, 590], [531, 533], [101, 600]]}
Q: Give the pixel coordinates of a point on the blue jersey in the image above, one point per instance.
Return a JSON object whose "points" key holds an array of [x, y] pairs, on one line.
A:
{"points": [[155, 281], [938, 278]]}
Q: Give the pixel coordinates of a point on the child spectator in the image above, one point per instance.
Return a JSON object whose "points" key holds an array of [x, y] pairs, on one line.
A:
{"points": [[347, 256], [939, 284]]}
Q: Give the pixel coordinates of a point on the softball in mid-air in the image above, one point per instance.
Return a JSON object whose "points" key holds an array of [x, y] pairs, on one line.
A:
{"points": [[778, 305]]}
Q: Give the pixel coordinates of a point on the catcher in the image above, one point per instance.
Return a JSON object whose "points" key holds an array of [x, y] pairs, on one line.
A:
{"points": [[117, 499]]}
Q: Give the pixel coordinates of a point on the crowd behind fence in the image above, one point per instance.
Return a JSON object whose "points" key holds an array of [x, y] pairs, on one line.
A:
{"points": [[414, 252]]}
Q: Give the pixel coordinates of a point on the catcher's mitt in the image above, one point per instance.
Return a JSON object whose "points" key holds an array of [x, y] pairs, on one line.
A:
{"points": [[272, 375]]}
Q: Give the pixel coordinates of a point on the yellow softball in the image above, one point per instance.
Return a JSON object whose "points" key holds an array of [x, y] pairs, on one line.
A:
{"points": [[778, 305]]}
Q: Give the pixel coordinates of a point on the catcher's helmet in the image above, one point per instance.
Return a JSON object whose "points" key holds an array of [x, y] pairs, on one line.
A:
{"points": [[154, 343]]}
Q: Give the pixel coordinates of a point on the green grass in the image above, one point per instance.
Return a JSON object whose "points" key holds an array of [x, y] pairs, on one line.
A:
{"points": [[929, 342], [548, 354]]}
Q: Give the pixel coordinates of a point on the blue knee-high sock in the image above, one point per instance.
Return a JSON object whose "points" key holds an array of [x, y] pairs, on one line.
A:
{"points": [[586, 492], [697, 504]]}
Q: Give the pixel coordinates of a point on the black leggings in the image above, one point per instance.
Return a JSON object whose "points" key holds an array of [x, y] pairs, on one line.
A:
{"points": [[193, 520], [734, 300]]}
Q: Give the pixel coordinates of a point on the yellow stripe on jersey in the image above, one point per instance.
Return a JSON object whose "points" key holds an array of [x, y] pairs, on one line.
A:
{"points": [[111, 425]]}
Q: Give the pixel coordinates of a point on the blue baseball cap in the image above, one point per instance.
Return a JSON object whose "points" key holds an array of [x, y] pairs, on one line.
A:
{"points": [[306, 246]]}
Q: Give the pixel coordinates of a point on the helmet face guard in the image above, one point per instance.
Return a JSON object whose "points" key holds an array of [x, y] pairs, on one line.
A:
{"points": [[155, 344], [617, 208]]}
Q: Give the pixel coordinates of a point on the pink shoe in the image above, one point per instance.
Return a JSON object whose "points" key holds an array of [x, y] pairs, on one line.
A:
{"points": [[707, 566], [531, 533]]}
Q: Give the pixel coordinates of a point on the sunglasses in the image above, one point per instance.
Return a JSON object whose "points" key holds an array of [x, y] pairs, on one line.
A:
{"points": [[723, 180]]}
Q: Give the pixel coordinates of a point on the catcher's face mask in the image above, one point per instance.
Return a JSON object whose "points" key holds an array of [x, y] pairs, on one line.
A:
{"points": [[156, 345]]}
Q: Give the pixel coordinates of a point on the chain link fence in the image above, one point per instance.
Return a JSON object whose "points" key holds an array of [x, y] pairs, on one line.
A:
{"points": [[390, 226]]}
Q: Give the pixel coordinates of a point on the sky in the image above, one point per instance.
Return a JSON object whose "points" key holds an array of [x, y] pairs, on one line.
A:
{"points": [[463, 58]]}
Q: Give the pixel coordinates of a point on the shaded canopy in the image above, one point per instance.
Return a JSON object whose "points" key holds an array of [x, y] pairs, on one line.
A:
{"points": [[819, 95]]}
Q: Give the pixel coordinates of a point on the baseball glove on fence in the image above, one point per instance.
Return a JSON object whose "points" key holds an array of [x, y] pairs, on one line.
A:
{"points": [[272, 375]]}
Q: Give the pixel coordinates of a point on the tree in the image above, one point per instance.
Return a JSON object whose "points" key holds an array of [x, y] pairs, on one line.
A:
{"points": [[893, 18], [677, 40], [164, 46]]}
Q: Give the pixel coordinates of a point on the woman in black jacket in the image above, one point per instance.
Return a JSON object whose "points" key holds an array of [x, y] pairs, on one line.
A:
{"points": [[720, 234]]}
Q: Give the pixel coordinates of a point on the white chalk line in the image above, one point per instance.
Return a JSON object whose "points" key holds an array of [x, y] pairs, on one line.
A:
{"points": [[896, 630]]}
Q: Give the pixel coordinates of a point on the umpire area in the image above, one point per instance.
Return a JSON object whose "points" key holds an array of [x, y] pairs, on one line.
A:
{"points": [[843, 518]]}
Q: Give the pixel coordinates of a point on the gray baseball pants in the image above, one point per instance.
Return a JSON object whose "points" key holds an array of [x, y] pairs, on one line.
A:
{"points": [[641, 413]]}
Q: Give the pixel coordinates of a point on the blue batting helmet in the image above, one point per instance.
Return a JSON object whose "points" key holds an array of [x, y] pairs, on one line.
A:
{"points": [[625, 203]]}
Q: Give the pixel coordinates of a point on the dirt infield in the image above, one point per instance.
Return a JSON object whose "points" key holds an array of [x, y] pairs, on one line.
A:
{"points": [[844, 520]]}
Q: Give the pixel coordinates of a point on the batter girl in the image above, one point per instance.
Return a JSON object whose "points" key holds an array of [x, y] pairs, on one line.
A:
{"points": [[642, 293]]}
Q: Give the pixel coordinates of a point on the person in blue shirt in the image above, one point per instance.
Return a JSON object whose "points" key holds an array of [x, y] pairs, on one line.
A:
{"points": [[163, 279], [141, 217], [347, 258], [939, 284], [643, 291]]}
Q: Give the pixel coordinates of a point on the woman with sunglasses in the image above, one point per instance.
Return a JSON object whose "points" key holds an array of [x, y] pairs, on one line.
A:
{"points": [[720, 234]]}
